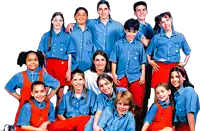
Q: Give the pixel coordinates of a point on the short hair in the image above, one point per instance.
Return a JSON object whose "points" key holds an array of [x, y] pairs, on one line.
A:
{"points": [[81, 8], [139, 3], [103, 2], [131, 24], [37, 83]]}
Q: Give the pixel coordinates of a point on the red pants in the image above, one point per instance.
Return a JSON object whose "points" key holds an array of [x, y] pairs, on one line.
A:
{"points": [[163, 74], [136, 90], [182, 127], [58, 68], [70, 124]]}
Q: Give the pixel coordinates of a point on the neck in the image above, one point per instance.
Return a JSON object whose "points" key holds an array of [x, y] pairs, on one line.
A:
{"points": [[142, 21], [78, 91], [104, 21], [82, 27], [168, 33], [57, 31], [99, 72]]}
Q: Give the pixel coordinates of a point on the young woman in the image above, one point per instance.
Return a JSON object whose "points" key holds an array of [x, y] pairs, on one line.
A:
{"points": [[186, 99], [23, 80]]}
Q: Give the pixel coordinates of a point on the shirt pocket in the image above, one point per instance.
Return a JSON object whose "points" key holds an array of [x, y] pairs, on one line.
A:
{"points": [[84, 110], [181, 111], [89, 48], [175, 49]]}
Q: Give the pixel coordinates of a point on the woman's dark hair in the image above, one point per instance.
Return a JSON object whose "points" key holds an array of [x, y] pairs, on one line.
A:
{"points": [[103, 2], [157, 20], [102, 53], [23, 55], [63, 27]]}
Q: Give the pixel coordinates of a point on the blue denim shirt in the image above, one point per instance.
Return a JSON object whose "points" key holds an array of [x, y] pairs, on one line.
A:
{"points": [[129, 57], [59, 45], [167, 49], [26, 113], [105, 36], [187, 101], [146, 30], [153, 110], [71, 106], [17, 81], [82, 48]]}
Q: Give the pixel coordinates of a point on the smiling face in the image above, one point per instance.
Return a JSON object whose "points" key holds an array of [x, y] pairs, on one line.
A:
{"points": [[177, 79], [81, 17], [140, 12], [78, 82], [162, 93], [57, 22], [32, 61], [130, 35], [38, 92], [122, 107], [100, 63], [103, 11], [166, 23], [105, 87]]}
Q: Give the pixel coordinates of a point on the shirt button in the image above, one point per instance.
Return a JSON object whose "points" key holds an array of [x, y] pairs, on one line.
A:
{"points": [[62, 62], [61, 49], [135, 58], [169, 52], [176, 50]]}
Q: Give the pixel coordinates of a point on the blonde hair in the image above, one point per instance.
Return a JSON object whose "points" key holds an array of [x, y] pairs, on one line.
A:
{"points": [[126, 98]]}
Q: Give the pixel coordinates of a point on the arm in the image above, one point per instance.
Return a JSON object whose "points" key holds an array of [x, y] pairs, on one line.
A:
{"points": [[52, 83], [185, 61], [114, 67], [152, 63], [15, 95], [145, 126], [31, 128], [96, 118], [68, 73], [145, 41], [142, 77], [69, 28], [62, 108], [191, 121]]}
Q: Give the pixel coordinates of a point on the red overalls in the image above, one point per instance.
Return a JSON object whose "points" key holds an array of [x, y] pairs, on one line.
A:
{"points": [[162, 119], [25, 93], [38, 116]]}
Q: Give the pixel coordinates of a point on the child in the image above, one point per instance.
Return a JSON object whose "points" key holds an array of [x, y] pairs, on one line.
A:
{"points": [[140, 11], [166, 46], [105, 31], [120, 118], [129, 58], [160, 115], [186, 99], [54, 45], [38, 112], [23, 80], [81, 47], [76, 105]]}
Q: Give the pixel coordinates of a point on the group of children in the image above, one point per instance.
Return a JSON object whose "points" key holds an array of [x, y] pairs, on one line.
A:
{"points": [[104, 97]]}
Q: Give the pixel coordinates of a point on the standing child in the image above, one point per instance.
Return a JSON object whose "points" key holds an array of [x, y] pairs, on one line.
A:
{"points": [[129, 58], [166, 46], [81, 47], [160, 115], [38, 112], [54, 45], [23, 80], [186, 99]]}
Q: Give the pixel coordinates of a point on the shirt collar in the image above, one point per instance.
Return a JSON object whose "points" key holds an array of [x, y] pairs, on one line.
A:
{"points": [[76, 27], [54, 33], [162, 103], [33, 72], [162, 32], [83, 95], [110, 20], [38, 104], [108, 98], [116, 113], [180, 90], [132, 42]]}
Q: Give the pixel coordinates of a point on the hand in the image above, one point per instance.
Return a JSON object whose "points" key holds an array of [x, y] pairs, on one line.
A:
{"points": [[97, 128], [44, 125], [182, 64], [116, 81], [68, 75], [142, 80], [154, 65], [69, 28]]}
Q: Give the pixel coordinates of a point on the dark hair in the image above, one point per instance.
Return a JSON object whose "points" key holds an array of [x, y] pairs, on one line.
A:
{"points": [[23, 55], [103, 2], [107, 77], [157, 20], [78, 71], [139, 3], [183, 72], [131, 24], [37, 83], [102, 53], [81, 8], [63, 28]]}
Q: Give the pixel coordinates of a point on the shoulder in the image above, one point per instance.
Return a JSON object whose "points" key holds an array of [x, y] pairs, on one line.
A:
{"points": [[27, 106], [46, 34], [189, 90], [88, 72], [116, 22]]}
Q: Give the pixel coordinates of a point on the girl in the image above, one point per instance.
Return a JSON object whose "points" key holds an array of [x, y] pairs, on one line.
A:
{"points": [[23, 80], [166, 46], [38, 112], [160, 114], [54, 45], [186, 100], [76, 105], [100, 65], [81, 42], [120, 118]]}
